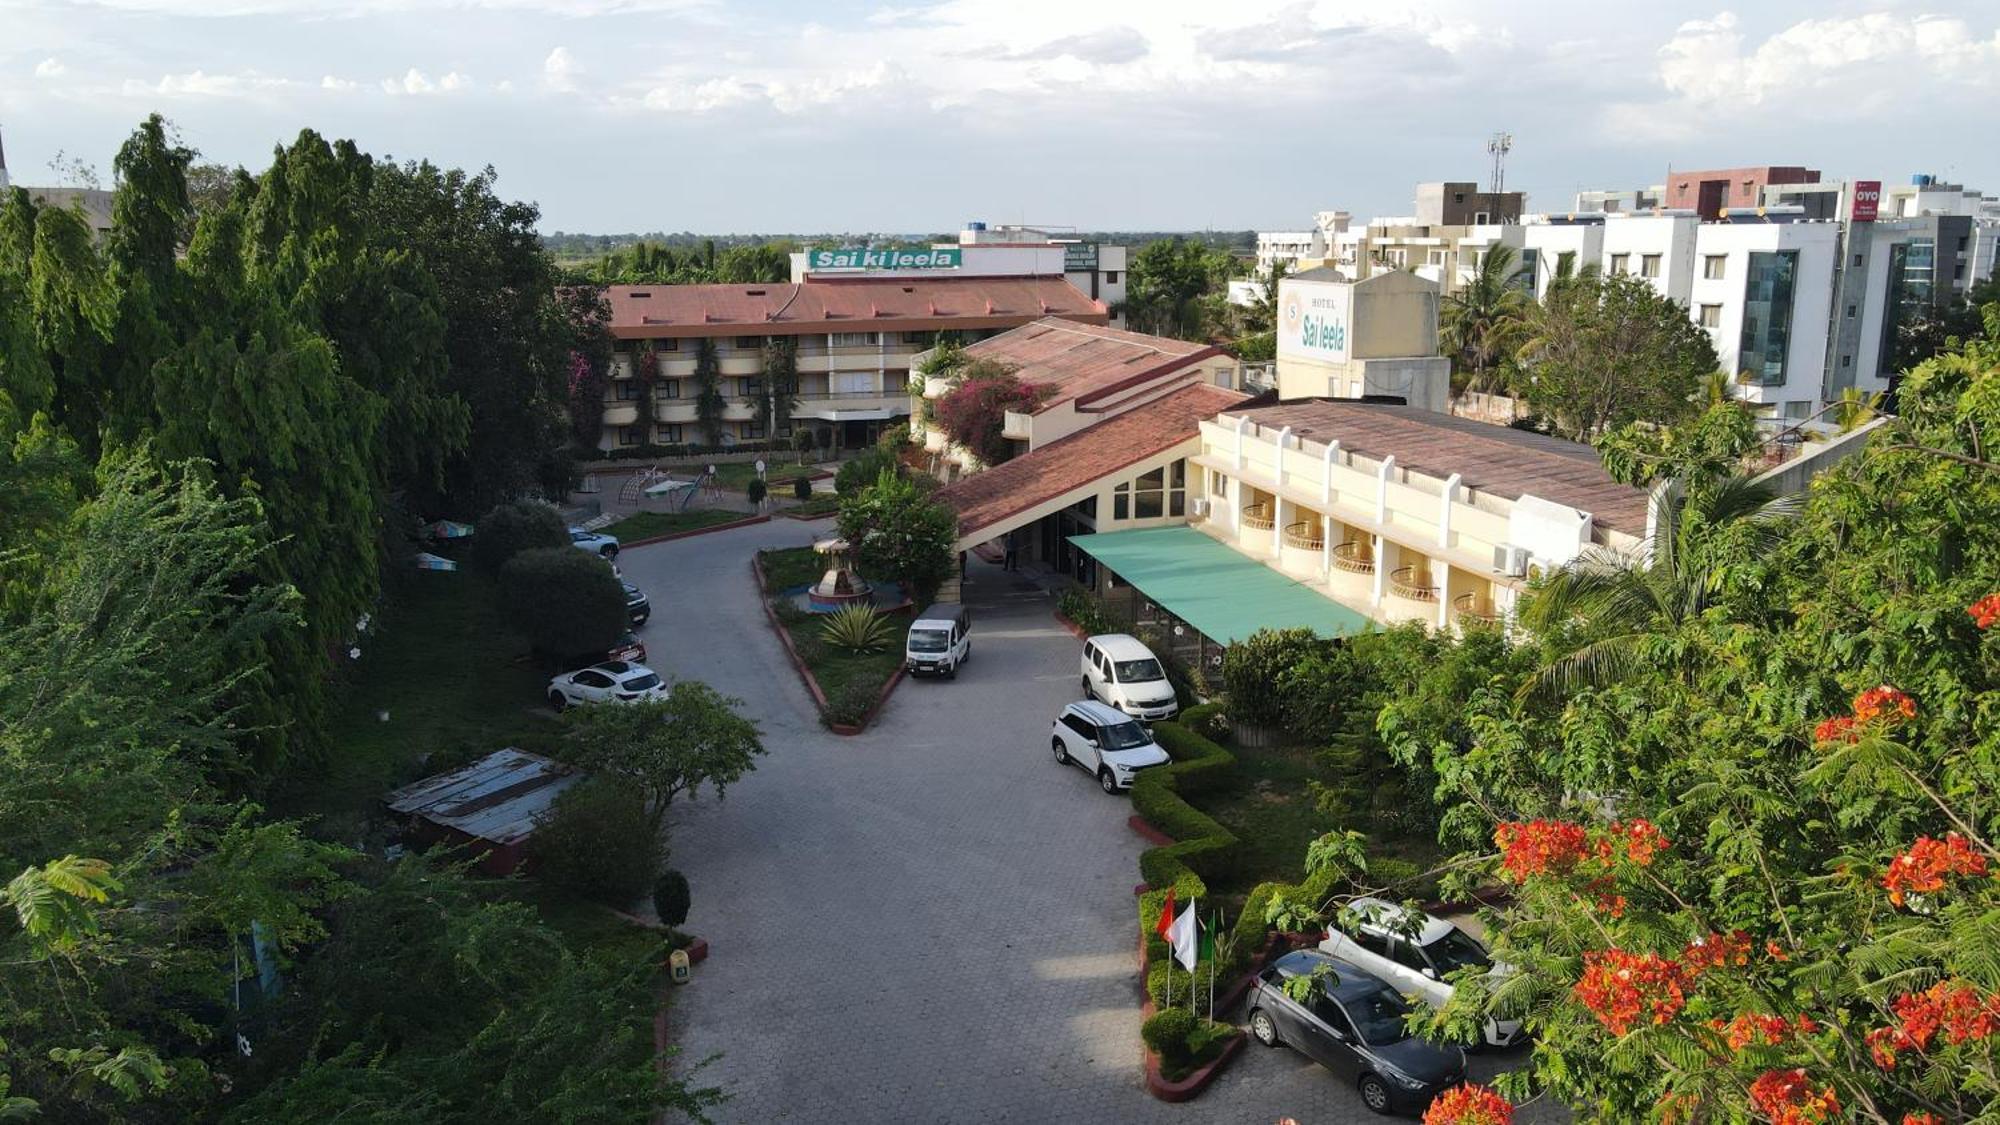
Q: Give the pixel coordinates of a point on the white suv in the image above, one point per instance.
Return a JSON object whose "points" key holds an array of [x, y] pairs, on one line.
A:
{"points": [[1415, 953], [1106, 743], [1124, 673], [612, 681]]}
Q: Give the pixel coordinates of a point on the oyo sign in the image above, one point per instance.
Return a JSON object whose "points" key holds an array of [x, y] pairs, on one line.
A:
{"points": [[858, 258], [1867, 200]]}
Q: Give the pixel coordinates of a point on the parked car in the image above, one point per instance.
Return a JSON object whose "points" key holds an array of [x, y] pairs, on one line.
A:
{"points": [[628, 648], [637, 608], [1352, 1024], [939, 640], [1118, 670], [1415, 953], [610, 681], [1106, 743], [604, 545]]}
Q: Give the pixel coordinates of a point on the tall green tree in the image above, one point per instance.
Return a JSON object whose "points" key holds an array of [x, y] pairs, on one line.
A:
{"points": [[1175, 287], [1604, 351], [670, 747], [708, 401], [1482, 324], [900, 533], [777, 395]]}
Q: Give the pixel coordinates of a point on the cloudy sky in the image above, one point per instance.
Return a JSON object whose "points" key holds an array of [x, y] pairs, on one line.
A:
{"points": [[718, 116]]}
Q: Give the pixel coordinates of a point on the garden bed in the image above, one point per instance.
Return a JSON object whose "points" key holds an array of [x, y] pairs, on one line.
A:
{"points": [[849, 688], [641, 528]]}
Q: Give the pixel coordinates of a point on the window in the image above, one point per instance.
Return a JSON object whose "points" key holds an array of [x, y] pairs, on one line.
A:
{"points": [[588, 678], [1847, 361], [1649, 265], [669, 344], [1137, 671], [1766, 342], [627, 390], [1857, 261], [1850, 312], [672, 435], [1406, 955], [749, 343], [1160, 492], [1618, 262], [753, 385], [1713, 266], [751, 431], [1110, 277], [1434, 257], [1711, 316], [1330, 1014], [1372, 942], [631, 435], [853, 339], [920, 339]]}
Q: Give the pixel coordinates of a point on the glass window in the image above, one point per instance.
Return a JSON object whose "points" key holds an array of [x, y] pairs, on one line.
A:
{"points": [[627, 390], [1618, 262], [1406, 955], [753, 430], [671, 435], [929, 640], [1378, 1015], [669, 344], [1765, 345], [1122, 736], [1713, 266], [1649, 265], [1330, 1014], [669, 388], [1148, 505], [1456, 950], [1110, 277], [1137, 671], [1711, 316], [853, 339], [641, 683], [630, 435], [1121, 503], [588, 678], [1372, 942], [1911, 281], [749, 342]]}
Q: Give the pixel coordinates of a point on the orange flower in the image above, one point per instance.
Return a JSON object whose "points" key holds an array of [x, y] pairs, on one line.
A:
{"points": [[1884, 1042], [1752, 1027], [1922, 1119], [1985, 611], [1958, 1010], [1883, 702], [1539, 847], [1922, 869], [1775, 951], [1642, 840], [1470, 1104], [1837, 729], [1621, 988], [1717, 950], [1787, 1098]]}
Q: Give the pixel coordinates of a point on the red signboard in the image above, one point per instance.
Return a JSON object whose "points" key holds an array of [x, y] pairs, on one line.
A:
{"points": [[1867, 200]]}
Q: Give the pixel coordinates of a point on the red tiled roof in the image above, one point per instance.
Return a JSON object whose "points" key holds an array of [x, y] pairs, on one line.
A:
{"points": [[891, 304], [1083, 360], [1494, 459], [986, 498]]}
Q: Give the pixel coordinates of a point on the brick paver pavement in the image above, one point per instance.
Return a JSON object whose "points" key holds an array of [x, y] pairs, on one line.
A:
{"points": [[931, 922]]}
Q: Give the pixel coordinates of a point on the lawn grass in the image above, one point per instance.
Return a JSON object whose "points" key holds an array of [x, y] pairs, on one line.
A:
{"points": [[456, 684], [737, 475], [1271, 812], [645, 525], [838, 672]]}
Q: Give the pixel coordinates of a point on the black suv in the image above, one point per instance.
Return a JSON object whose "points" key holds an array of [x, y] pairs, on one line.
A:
{"points": [[1352, 1024], [637, 608]]}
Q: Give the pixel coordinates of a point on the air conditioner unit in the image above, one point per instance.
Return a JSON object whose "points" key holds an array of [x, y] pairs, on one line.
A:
{"points": [[1510, 560], [1201, 509]]}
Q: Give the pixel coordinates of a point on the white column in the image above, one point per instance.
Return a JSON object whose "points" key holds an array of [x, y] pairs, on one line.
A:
{"points": [[1278, 528], [1326, 472], [1381, 570], [1325, 545], [1444, 593], [1236, 504], [1240, 423], [1382, 472], [1444, 509], [1278, 463]]}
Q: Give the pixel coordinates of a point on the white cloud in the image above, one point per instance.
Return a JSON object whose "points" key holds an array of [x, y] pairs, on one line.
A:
{"points": [[415, 82], [201, 84], [338, 85], [560, 71], [50, 68]]}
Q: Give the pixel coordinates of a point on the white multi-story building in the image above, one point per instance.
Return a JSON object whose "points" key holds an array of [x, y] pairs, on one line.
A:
{"points": [[1301, 249], [1096, 269]]}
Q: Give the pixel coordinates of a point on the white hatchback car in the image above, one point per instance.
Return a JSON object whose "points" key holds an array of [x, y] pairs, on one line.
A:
{"points": [[613, 681], [1106, 743], [1124, 673], [1383, 945]]}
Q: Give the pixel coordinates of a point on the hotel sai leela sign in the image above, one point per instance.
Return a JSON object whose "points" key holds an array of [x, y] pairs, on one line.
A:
{"points": [[858, 258], [1315, 319]]}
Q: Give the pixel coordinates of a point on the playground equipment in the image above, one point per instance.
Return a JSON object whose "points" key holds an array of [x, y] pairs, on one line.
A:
{"points": [[655, 482]]}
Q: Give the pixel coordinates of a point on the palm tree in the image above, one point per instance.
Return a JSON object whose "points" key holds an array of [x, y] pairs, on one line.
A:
{"points": [[1855, 409], [1485, 319], [1262, 314], [1627, 601]]}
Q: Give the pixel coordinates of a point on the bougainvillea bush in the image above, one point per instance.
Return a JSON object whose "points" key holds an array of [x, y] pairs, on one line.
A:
{"points": [[1750, 829], [974, 413]]}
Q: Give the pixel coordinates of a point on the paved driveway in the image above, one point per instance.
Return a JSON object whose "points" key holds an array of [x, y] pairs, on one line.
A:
{"points": [[931, 921]]}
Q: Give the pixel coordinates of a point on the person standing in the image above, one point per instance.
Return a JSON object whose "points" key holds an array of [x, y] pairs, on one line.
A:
{"points": [[1010, 558]]}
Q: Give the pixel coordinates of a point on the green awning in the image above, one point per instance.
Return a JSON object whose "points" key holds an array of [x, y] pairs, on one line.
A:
{"points": [[1224, 595]]}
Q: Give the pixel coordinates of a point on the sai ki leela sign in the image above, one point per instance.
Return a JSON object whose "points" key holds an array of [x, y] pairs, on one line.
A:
{"points": [[1313, 319], [858, 258]]}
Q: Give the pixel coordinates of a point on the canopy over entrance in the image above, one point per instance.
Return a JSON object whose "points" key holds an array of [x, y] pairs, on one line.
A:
{"points": [[1223, 595]]}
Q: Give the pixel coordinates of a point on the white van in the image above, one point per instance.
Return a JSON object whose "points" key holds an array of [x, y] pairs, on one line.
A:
{"points": [[1118, 670], [940, 640]]}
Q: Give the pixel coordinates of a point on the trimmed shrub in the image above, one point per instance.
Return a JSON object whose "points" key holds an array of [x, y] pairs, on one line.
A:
{"points": [[596, 841], [509, 529], [564, 600], [1201, 845], [756, 490], [849, 706], [861, 471], [1254, 669], [1182, 1040], [1208, 720], [802, 489], [670, 898]]}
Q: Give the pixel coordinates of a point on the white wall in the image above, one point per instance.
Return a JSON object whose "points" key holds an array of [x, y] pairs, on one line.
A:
{"points": [[1812, 300], [1672, 237]]}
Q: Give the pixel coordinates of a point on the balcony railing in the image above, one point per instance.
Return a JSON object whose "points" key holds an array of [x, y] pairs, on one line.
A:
{"points": [[1355, 557], [1257, 517], [1405, 583], [1304, 535], [1478, 607]]}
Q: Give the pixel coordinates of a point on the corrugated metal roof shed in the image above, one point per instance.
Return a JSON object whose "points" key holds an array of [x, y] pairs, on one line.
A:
{"points": [[495, 798]]}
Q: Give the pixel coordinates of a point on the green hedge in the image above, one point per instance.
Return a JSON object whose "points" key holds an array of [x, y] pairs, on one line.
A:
{"points": [[1201, 845]]}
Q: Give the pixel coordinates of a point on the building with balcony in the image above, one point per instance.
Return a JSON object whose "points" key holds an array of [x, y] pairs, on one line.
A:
{"points": [[1096, 269], [1087, 373], [853, 338]]}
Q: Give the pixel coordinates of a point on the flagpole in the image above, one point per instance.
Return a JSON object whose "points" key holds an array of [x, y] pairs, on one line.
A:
{"points": [[1196, 907], [1214, 959]]}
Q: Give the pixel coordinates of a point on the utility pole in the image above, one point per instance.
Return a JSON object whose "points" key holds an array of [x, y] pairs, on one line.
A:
{"points": [[1498, 145]]}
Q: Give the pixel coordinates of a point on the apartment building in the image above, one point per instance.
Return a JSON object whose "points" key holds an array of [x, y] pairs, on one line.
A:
{"points": [[1301, 249], [1427, 242], [1710, 192], [854, 340]]}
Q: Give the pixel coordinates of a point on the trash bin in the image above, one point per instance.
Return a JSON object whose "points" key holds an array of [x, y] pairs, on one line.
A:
{"points": [[677, 966]]}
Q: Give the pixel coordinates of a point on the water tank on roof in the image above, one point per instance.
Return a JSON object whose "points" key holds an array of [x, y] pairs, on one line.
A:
{"points": [[975, 225], [1922, 179]]}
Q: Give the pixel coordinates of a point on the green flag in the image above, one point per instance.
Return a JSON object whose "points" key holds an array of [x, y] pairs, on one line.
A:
{"points": [[1205, 951]]}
